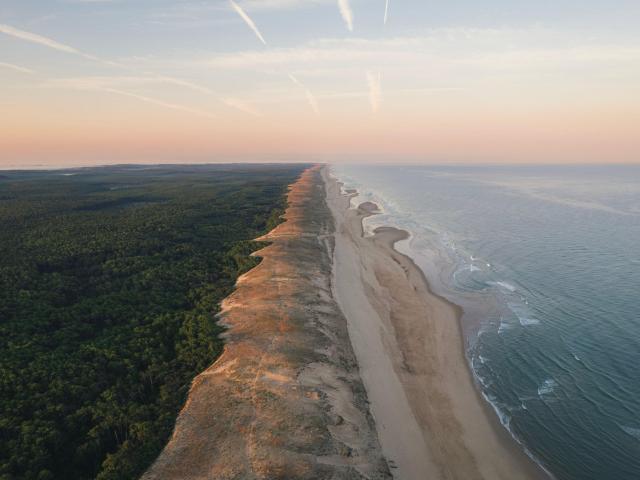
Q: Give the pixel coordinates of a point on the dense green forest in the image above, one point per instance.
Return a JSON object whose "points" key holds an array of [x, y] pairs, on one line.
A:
{"points": [[110, 279]]}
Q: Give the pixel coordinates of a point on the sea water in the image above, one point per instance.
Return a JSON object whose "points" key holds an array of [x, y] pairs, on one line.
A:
{"points": [[545, 262]]}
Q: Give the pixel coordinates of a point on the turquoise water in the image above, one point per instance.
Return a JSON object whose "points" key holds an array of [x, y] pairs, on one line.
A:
{"points": [[545, 262]]}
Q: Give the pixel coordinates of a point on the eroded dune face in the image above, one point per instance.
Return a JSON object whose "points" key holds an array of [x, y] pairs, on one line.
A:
{"points": [[285, 399]]}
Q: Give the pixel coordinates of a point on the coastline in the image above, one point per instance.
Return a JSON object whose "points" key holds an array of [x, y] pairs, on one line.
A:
{"points": [[431, 418]]}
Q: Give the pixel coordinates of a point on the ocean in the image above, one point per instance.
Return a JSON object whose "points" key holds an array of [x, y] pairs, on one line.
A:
{"points": [[545, 262]]}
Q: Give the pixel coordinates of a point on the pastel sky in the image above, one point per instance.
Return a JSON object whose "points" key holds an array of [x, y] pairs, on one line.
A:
{"points": [[499, 81]]}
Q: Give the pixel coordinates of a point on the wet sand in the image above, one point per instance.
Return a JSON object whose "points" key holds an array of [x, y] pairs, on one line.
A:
{"points": [[431, 420]]}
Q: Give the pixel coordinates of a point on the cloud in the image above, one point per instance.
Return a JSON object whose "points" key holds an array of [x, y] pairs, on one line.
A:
{"points": [[33, 38], [105, 83], [466, 52], [152, 77], [17, 68], [248, 21], [347, 13], [101, 82], [242, 106], [313, 103], [386, 12], [281, 4], [375, 90], [50, 43], [160, 103], [114, 85], [181, 83]]}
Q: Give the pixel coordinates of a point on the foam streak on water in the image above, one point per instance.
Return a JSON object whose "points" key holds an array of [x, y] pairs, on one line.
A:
{"points": [[544, 262]]}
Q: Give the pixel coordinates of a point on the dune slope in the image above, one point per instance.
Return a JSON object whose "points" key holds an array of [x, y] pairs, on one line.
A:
{"points": [[285, 399]]}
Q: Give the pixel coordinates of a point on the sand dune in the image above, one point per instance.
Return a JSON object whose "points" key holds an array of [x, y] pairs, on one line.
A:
{"points": [[285, 400]]}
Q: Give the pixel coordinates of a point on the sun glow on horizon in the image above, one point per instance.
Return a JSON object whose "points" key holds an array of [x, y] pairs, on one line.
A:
{"points": [[319, 80]]}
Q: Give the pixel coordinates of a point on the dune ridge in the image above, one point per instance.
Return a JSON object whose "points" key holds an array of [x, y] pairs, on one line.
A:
{"points": [[285, 399]]}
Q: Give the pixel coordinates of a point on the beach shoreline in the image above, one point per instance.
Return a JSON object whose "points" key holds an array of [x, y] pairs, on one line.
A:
{"points": [[430, 415]]}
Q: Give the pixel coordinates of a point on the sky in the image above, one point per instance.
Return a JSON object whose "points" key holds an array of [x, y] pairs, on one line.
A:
{"points": [[86, 82]]}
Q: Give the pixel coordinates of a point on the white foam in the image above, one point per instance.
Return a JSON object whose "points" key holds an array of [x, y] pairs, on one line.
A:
{"points": [[634, 432], [524, 321], [505, 418], [473, 268], [524, 315], [504, 326], [484, 329], [504, 285], [547, 387]]}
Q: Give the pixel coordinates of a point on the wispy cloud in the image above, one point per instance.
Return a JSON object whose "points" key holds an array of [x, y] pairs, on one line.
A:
{"points": [[463, 54], [313, 103], [152, 77], [386, 12], [347, 13], [114, 85], [118, 84], [375, 90], [101, 82], [50, 43], [181, 83], [160, 103], [248, 21], [34, 38], [17, 68], [281, 4], [242, 106]]}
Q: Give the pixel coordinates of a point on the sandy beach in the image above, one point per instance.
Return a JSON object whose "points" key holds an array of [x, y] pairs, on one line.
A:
{"points": [[431, 420]]}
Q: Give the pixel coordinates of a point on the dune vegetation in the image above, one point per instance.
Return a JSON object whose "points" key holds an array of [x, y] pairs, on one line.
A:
{"points": [[110, 280]]}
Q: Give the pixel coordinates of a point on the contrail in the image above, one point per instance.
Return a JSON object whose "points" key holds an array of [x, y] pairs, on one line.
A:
{"points": [[248, 21], [347, 13], [17, 68], [160, 103], [386, 12], [50, 43], [32, 37], [375, 91], [47, 42], [242, 106], [181, 83], [310, 97]]}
